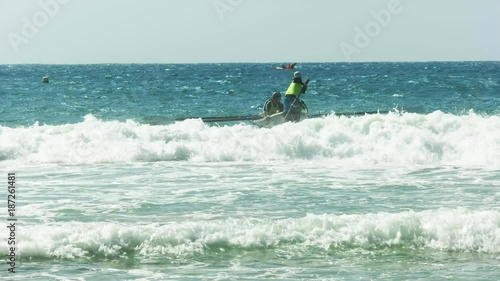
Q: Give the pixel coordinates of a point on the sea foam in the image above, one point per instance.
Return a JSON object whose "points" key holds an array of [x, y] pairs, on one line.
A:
{"points": [[455, 230], [394, 139]]}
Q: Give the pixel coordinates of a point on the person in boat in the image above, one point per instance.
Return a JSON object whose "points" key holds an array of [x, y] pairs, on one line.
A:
{"points": [[273, 105], [289, 66], [293, 104]]}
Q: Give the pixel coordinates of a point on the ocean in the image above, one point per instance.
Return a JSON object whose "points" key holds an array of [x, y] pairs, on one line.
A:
{"points": [[110, 185]]}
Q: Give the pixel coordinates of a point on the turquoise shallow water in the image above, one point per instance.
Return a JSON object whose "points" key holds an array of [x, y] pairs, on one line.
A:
{"points": [[110, 187]]}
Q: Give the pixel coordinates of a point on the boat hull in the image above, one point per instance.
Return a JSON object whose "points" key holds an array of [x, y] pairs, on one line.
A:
{"points": [[273, 120], [270, 121]]}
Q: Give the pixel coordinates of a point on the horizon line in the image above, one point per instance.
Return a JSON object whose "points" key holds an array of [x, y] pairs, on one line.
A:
{"points": [[242, 62]]}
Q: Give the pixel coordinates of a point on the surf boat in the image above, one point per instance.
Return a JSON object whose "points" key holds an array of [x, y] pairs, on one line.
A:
{"points": [[277, 118]]}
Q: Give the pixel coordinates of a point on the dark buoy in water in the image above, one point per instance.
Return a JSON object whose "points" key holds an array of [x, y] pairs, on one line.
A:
{"points": [[45, 79]]}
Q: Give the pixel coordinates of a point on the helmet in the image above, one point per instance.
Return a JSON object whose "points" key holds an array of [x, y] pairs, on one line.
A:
{"points": [[276, 95], [296, 74]]}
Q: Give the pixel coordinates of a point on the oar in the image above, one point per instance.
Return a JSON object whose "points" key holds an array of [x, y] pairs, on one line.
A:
{"points": [[223, 119], [347, 113]]}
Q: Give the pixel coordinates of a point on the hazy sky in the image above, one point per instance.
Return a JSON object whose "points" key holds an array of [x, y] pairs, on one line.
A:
{"points": [[192, 31]]}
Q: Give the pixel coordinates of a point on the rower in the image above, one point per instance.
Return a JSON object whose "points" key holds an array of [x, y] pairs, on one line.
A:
{"points": [[293, 104], [273, 105]]}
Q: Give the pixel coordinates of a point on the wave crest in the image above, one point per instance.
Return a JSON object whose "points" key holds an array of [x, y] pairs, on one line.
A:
{"points": [[400, 139]]}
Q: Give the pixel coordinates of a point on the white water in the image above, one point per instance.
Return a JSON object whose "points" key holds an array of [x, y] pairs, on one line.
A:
{"points": [[337, 193], [392, 139], [458, 230]]}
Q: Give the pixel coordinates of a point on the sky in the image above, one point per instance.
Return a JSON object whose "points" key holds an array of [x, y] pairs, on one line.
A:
{"points": [[254, 31]]}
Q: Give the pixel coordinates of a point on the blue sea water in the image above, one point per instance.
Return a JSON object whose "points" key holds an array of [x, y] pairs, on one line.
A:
{"points": [[111, 187]]}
